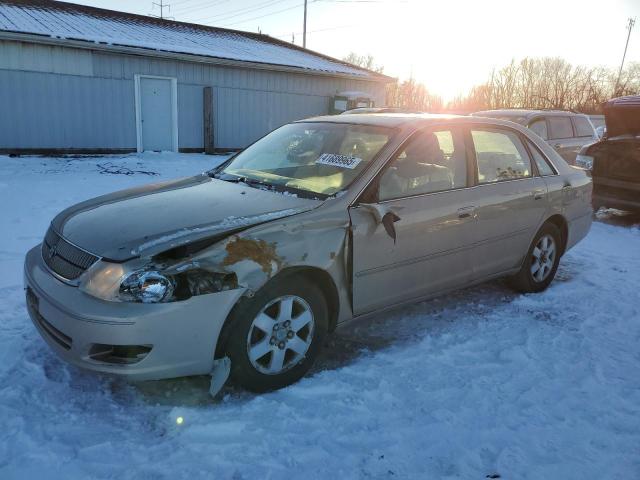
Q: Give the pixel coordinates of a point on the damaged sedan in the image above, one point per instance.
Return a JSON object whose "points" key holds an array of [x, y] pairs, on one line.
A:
{"points": [[243, 270]]}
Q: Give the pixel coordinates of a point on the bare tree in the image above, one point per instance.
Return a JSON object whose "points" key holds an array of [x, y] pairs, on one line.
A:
{"points": [[364, 61], [412, 95], [548, 82]]}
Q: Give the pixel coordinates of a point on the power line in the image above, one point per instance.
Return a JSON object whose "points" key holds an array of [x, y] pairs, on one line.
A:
{"points": [[262, 16], [314, 31], [358, 1], [200, 6], [181, 2], [242, 11]]}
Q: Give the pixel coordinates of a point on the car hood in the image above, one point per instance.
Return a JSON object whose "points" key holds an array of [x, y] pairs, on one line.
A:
{"points": [[622, 116], [153, 218]]}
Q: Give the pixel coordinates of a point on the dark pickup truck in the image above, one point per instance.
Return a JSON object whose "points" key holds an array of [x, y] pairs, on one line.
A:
{"points": [[614, 161]]}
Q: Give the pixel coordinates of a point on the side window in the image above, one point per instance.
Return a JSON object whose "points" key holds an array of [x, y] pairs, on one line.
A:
{"points": [[543, 165], [583, 127], [500, 156], [430, 162], [540, 128], [560, 127]]}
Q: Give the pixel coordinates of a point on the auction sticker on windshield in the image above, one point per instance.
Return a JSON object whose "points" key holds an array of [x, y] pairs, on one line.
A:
{"points": [[337, 160]]}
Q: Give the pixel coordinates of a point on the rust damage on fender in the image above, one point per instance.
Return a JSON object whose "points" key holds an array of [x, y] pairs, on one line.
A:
{"points": [[258, 251]]}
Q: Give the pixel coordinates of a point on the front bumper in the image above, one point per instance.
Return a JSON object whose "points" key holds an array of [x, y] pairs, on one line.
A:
{"points": [[182, 335]]}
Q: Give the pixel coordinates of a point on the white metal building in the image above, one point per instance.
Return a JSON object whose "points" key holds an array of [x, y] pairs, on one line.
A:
{"points": [[81, 79]]}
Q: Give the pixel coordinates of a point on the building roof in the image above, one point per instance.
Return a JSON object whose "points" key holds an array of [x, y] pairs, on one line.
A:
{"points": [[108, 28]]}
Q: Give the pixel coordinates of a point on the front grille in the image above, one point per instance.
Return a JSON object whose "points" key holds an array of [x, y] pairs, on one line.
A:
{"points": [[56, 335], [63, 258]]}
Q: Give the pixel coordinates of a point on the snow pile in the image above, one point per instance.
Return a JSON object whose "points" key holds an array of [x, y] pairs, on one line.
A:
{"points": [[482, 382], [116, 28]]}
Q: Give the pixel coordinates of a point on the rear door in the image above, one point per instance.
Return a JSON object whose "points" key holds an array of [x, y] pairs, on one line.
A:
{"points": [[412, 237], [563, 138], [583, 131], [510, 199]]}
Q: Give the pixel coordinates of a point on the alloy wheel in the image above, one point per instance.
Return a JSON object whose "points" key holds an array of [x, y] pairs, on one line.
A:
{"points": [[280, 335], [543, 258]]}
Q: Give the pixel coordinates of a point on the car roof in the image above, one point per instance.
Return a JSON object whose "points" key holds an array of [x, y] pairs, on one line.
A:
{"points": [[380, 110], [383, 119], [523, 112], [416, 120]]}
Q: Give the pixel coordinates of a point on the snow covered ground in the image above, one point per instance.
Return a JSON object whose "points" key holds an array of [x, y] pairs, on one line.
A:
{"points": [[482, 382]]}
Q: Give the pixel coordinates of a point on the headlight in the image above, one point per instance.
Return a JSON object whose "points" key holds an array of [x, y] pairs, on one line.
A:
{"points": [[584, 161], [151, 284], [146, 286]]}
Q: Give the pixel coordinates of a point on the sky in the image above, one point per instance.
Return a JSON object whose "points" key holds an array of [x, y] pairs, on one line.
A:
{"points": [[449, 45]]}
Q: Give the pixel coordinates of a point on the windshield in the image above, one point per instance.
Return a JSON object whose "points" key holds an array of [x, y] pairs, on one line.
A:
{"points": [[321, 158]]}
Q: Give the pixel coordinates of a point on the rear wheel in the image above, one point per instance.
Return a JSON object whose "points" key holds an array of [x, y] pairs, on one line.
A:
{"points": [[277, 334], [541, 264]]}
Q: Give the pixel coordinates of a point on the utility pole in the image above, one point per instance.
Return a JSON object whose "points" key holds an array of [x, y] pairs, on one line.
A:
{"points": [[162, 6], [630, 24], [304, 30]]}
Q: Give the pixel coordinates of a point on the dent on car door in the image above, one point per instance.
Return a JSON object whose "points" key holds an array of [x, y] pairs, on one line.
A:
{"points": [[510, 200], [412, 239]]}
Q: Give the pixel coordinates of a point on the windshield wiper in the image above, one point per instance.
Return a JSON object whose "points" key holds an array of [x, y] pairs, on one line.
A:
{"points": [[225, 177], [261, 185]]}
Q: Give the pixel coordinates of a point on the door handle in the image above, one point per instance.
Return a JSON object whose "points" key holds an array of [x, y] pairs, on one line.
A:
{"points": [[467, 212], [538, 194], [557, 145]]}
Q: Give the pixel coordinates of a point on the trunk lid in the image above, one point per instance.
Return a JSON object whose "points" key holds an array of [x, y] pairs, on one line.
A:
{"points": [[622, 116]]}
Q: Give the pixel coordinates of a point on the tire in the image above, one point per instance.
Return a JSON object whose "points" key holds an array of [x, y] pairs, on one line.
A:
{"points": [[256, 349], [540, 265]]}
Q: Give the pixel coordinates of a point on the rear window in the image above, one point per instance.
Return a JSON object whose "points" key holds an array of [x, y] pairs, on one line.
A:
{"points": [[500, 156], [583, 127], [560, 127], [540, 128], [543, 165]]}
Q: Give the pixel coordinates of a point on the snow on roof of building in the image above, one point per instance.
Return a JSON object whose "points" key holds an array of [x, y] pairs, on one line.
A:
{"points": [[107, 27]]}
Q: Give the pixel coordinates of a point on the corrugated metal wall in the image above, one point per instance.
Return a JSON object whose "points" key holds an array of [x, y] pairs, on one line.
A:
{"points": [[50, 100]]}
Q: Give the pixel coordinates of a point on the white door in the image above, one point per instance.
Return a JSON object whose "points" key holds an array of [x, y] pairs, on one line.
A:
{"points": [[157, 115]]}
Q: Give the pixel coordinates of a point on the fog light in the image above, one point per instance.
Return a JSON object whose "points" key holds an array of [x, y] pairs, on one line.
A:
{"points": [[119, 354]]}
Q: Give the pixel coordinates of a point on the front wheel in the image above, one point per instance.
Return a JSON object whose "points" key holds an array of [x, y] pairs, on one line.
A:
{"points": [[541, 263], [277, 334]]}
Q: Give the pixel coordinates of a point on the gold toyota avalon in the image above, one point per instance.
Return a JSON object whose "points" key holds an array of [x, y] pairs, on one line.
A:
{"points": [[243, 270]]}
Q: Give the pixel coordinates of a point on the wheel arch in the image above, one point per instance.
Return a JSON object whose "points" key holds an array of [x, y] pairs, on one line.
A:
{"points": [[561, 223], [321, 278]]}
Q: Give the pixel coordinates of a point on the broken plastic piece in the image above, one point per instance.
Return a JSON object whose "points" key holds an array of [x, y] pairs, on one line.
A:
{"points": [[219, 375]]}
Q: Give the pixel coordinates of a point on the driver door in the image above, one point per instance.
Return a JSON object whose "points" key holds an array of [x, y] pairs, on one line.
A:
{"points": [[414, 239]]}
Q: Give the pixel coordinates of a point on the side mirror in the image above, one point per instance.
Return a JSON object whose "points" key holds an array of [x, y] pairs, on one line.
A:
{"points": [[384, 215]]}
